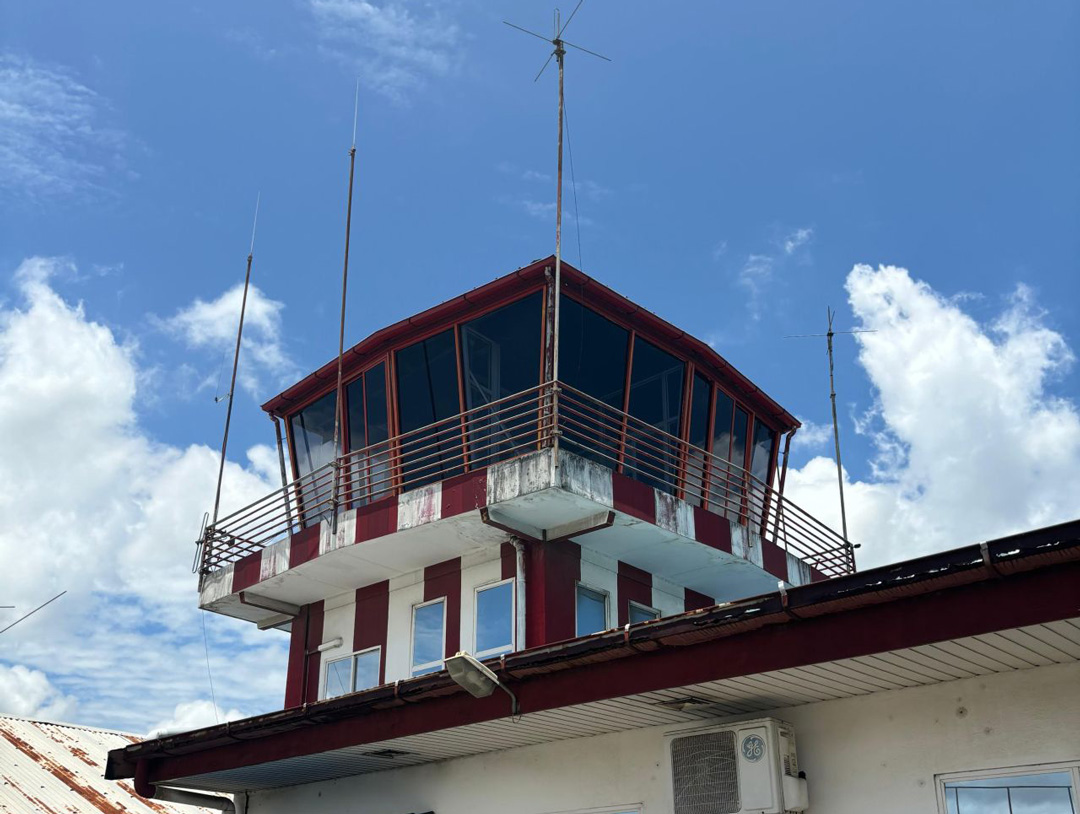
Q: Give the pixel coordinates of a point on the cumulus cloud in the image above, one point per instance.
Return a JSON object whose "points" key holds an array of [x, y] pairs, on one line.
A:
{"points": [[29, 694], [212, 326], [971, 441], [94, 505], [811, 436], [193, 715], [53, 144], [394, 46]]}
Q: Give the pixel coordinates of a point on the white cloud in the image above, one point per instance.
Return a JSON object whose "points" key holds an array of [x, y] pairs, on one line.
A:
{"points": [[971, 442], [193, 715], [795, 240], [719, 250], [29, 694], [212, 326], [811, 436], [94, 505], [394, 45], [754, 277], [52, 145]]}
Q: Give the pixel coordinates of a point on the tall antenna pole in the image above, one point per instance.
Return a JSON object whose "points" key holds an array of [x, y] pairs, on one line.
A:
{"points": [[339, 407], [236, 363], [560, 52], [836, 425]]}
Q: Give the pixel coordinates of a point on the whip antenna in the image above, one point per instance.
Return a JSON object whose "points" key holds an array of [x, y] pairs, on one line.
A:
{"points": [[236, 363]]}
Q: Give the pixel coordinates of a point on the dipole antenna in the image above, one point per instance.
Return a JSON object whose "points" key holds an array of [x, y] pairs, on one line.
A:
{"points": [[339, 406], [236, 363], [559, 52], [829, 334]]}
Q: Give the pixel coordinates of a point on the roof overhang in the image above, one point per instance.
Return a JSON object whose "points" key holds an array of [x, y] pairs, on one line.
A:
{"points": [[575, 283], [587, 686]]}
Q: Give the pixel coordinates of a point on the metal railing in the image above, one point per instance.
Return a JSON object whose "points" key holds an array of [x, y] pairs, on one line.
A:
{"points": [[547, 416]]}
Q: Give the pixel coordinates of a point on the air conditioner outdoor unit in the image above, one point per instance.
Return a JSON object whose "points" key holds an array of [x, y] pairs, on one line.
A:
{"points": [[744, 768]]}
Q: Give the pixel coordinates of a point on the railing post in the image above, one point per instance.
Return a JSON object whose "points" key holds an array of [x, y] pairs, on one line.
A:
{"points": [[334, 497]]}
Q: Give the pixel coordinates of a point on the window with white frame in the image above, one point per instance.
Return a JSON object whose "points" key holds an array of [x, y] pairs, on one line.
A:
{"points": [[495, 619], [1045, 789], [428, 636], [591, 610], [357, 671], [642, 613]]}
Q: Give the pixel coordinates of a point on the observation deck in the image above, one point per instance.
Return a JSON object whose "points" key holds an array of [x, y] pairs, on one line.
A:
{"points": [[650, 450]]}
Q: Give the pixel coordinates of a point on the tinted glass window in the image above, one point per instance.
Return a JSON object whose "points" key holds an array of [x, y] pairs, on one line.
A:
{"points": [[368, 475], [592, 359], [366, 669], [591, 611], [313, 435], [720, 474], [495, 619], [1049, 793], [428, 392], [656, 381], [699, 439], [762, 451], [501, 357], [428, 638], [640, 613]]}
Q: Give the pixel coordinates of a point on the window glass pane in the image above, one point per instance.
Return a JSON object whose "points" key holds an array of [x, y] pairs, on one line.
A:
{"points": [[737, 468], [367, 668], [338, 677], [313, 434], [501, 357], [721, 476], [760, 458], [592, 359], [354, 406], [368, 477], [428, 392], [1049, 793], [639, 613], [699, 439], [495, 619], [656, 384], [591, 611], [428, 638]]}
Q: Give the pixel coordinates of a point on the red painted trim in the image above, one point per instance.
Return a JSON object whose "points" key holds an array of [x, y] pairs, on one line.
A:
{"points": [[712, 530], [294, 676], [773, 558], [634, 585], [444, 580], [551, 574], [372, 620], [463, 493], [508, 557], [304, 546], [246, 571], [1022, 599], [633, 497], [694, 600], [313, 661], [377, 519]]}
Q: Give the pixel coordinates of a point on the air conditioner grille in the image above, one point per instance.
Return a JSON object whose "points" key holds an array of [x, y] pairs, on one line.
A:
{"points": [[704, 774]]}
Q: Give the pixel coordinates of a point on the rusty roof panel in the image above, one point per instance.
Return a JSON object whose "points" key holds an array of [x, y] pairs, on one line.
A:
{"points": [[51, 768]]}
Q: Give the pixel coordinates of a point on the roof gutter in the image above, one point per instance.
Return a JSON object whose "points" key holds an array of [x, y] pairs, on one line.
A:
{"points": [[179, 796]]}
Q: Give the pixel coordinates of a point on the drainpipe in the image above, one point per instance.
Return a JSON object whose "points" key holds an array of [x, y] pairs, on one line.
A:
{"points": [[281, 465], [519, 591], [188, 798], [780, 497]]}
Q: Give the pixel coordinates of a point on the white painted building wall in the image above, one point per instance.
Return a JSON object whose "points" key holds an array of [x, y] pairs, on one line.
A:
{"points": [[876, 753]]}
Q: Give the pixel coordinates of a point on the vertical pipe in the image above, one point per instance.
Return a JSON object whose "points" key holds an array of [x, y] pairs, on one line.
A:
{"points": [[560, 52], [519, 592], [281, 465], [836, 429], [780, 495]]}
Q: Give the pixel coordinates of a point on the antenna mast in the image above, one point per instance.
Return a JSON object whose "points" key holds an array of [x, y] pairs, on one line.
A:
{"points": [[339, 406], [236, 363], [558, 53]]}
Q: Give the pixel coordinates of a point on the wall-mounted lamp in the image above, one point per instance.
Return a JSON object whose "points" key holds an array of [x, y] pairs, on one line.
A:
{"points": [[330, 645], [477, 679]]}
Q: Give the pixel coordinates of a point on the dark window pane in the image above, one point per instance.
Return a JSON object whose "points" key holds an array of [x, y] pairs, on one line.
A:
{"points": [[737, 468], [699, 438], [501, 357], [313, 443], [1049, 793], [428, 638], [354, 405], [591, 611], [656, 384], [760, 457], [367, 476], [721, 475], [639, 613], [495, 620], [428, 392]]}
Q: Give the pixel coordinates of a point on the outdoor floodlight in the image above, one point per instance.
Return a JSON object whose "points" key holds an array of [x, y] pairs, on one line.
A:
{"points": [[475, 678]]}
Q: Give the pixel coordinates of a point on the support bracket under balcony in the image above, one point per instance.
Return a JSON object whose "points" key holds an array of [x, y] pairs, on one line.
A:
{"points": [[266, 603], [566, 531]]}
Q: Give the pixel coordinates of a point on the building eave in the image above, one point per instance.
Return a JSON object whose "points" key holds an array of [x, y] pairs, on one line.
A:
{"points": [[1023, 579]]}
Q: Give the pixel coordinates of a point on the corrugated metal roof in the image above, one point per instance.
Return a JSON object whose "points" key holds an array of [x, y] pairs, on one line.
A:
{"points": [[48, 768]]}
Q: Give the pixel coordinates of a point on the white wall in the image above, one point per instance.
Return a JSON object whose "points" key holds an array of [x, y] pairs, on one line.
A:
{"points": [[872, 753], [339, 619], [405, 591]]}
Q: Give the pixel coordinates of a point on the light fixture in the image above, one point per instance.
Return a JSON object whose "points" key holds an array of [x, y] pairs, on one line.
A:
{"points": [[330, 645], [476, 679]]}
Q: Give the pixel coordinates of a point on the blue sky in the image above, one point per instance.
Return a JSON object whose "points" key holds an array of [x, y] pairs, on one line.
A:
{"points": [[734, 163]]}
